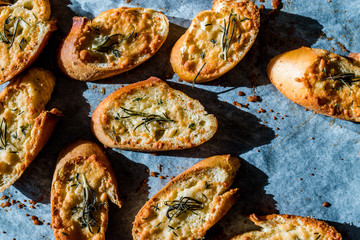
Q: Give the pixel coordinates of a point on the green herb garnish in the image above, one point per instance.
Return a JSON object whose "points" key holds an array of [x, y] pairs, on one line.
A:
{"points": [[111, 41], [213, 41], [147, 118], [202, 55], [160, 102], [156, 207], [3, 134], [198, 74], [178, 207], [116, 53], [23, 40], [207, 186], [14, 33], [346, 78], [192, 126], [137, 99], [158, 224]]}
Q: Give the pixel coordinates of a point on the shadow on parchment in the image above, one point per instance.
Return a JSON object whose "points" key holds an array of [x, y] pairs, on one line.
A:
{"points": [[238, 131], [132, 180], [251, 182]]}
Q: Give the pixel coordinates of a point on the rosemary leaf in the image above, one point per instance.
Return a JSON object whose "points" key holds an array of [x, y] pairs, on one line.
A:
{"points": [[198, 74]]}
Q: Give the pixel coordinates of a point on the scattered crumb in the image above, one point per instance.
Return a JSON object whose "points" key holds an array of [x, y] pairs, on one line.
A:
{"points": [[300, 179], [274, 118], [312, 174], [154, 174], [160, 166], [258, 150], [154, 154], [4, 197], [27, 215], [262, 110], [277, 128], [103, 90], [326, 204], [254, 98], [306, 109], [5, 204], [21, 205], [172, 177], [237, 104], [128, 1], [162, 177], [275, 4], [312, 138], [271, 110], [3, 232], [240, 93]]}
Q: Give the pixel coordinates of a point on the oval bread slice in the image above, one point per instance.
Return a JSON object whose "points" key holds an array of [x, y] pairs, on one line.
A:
{"points": [[191, 203], [289, 227], [151, 116], [24, 125], [319, 80], [114, 42], [216, 40], [82, 182], [25, 28]]}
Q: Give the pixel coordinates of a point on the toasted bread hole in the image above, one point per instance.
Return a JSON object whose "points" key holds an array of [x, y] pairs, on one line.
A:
{"points": [[159, 134], [29, 5], [202, 123]]}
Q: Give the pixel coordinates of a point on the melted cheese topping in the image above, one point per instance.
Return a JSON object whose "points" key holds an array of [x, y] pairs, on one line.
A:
{"points": [[204, 188], [186, 122], [339, 97], [217, 39], [20, 106], [22, 31], [69, 187], [123, 37]]}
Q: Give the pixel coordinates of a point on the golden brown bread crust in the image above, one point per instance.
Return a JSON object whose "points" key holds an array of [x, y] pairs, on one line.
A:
{"points": [[197, 53], [177, 135], [305, 76], [29, 127], [144, 32], [19, 53], [278, 226], [79, 157], [216, 208]]}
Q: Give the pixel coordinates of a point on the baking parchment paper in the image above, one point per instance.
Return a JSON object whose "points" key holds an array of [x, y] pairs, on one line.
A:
{"points": [[292, 160]]}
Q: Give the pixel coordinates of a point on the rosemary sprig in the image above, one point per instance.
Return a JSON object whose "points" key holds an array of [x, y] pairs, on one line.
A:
{"points": [[178, 207], [14, 33], [147, 118], [198, 74], [225, 41], [4, 39], [3, 134], [346, 78], [23, 40], [89, 207], [111, 41]]}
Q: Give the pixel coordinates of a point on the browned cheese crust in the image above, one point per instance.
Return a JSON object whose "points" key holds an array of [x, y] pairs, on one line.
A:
{"points": [[82, 182], [151, 116], [25, 126], [216, 40], [25, 28], [207, 182], [319, 80], [289, 227], [114, 42]]}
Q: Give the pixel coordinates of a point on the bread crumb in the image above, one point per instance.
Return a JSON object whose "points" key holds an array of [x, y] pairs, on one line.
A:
{"points": [[254, 98], [300, 179], [154, 174], [306, 109], [162, 177], [274, 118], [312, 174], [326, 204], [258, 150], [103, 90], [312, 138], [262, 110], [277, 128], [271, 110], [241, 93], [237, 104], [159, 166], [172, 177]]}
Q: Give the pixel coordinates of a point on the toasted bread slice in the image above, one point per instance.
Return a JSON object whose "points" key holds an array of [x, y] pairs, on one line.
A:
{"points": [[24, 125], [151, 116], [25, 28], [82, 182], [191, 203], [216, 40], [289, 227], [319, 80], [114, 42]]}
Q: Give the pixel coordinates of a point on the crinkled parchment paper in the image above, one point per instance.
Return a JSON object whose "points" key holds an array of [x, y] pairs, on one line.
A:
{"points": [[278, 147]]}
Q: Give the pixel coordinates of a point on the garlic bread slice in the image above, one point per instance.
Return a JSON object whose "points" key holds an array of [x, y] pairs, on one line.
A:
{"points": [[216, 40], [82, 182], [151, 116], [289, 227], [319, 80], [25, 126], [25, 28], [191, 203], [114, 42]]}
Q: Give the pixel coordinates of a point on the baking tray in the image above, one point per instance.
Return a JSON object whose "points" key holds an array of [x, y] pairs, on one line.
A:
{"points": [[292, 160]]}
